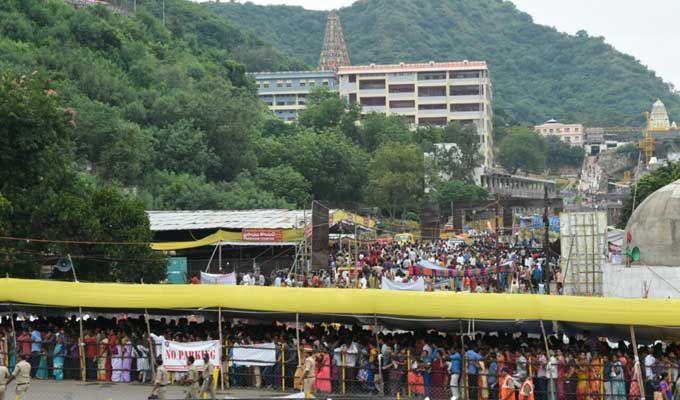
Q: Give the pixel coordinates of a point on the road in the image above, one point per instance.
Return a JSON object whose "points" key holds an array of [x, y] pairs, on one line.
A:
{"points": [[70, 390]]}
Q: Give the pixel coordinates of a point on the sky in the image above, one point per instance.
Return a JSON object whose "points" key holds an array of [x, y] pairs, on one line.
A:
{"points": [[648, 30]]}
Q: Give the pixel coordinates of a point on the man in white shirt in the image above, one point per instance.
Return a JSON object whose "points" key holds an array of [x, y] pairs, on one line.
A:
{"points": [[277, 281]]}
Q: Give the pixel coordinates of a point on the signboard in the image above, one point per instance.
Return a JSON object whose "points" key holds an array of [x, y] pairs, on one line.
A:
{"points": [[218, 279], [175, 353], [177, 270], [262, 235]]}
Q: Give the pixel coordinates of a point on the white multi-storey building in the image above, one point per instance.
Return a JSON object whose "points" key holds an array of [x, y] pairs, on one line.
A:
{"points": [[425, 94]]}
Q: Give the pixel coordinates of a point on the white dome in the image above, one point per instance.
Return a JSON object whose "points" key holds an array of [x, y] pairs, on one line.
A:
{"points": [[655, 227]]}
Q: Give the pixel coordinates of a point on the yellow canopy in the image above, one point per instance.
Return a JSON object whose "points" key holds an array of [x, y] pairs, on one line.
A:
{"points": [[434, 305], [289, 235]]}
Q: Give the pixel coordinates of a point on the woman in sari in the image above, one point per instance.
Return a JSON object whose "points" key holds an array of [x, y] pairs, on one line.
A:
{"points": [[595, 378], [618, 380], [58, 360], [570, 382], [323, 375], [438, 384], [116, 359], [103, 360], [635, 392], [582, 386], [562, 369], [482, 381], [127, 360], [41, 372]]}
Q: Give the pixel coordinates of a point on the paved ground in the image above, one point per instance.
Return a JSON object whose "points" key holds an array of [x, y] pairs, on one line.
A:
{"points": [[69, 390]]}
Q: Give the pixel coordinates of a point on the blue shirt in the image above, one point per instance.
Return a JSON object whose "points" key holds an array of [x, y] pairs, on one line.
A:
{"points": [[36, 340], [493, 373], [472, 358], [455, 363]]}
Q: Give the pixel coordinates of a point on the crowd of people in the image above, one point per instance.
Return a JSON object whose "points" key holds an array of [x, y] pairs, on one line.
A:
{"points": [[480, 267], [351, 359]]}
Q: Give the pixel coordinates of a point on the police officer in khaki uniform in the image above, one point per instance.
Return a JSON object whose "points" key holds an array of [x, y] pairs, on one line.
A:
{"points": [[309, 373], [4, 380], [208, 371], [22, 373], [192, 379], [161, 380]]}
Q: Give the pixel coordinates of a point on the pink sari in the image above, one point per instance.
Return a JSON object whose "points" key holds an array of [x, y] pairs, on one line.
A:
{"points": [[323, 375]]}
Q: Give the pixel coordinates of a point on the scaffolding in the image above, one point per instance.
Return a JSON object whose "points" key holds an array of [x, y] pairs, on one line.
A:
{"points": [[584, 250]]}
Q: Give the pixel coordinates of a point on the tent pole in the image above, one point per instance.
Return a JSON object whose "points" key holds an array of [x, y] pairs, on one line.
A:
{"points": [[377, 344], [152, 345], [219, 328], [219, 263], [207, 268], [637, 362], [297, 336], [547, 355], [81, 346], [14, 332]]}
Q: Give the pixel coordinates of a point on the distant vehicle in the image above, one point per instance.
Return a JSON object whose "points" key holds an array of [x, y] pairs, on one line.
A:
{"points": [[403, 238]]}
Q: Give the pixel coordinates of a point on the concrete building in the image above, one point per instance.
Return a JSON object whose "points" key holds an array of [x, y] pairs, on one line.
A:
{"points": [[568, 133], [426, 94], [286, 92]]}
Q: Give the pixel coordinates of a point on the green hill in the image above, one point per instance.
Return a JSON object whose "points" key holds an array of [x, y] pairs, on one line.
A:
{"points": [[538, 72]]}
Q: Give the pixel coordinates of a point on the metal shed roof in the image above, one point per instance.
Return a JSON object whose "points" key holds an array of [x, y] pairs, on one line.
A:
{"points": [[227, 219]]}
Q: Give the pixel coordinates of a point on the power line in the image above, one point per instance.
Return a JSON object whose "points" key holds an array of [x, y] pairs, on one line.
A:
{"points": [[58, 241]]}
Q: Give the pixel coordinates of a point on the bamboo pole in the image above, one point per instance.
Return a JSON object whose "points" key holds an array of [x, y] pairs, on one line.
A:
{"points": [[547, 354], [637, 362], [81, 347], [219, 327], [283, 367], [408, 371], [297, 337], [152, 345], [377, 344]]}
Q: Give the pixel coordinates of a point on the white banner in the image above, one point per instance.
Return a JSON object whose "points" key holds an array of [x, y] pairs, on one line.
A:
{"points": [[418, 285], [261, 354], [218, 279], [175, 353]]}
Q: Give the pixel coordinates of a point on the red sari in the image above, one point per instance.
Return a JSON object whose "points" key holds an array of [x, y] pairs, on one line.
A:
{"points": [[112, 347], [323, 375], [438, 379]]}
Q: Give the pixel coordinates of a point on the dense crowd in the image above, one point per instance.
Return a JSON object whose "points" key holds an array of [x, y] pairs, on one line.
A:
{"points": [[480, 267], [346, 359]]}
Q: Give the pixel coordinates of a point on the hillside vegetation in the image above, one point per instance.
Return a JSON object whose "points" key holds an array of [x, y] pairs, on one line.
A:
{"points": [[538, 72]]}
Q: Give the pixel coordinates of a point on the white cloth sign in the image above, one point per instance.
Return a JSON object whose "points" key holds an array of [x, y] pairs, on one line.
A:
{"points": [[418, 286], [218, 279], [261, 354], [175, 354]]}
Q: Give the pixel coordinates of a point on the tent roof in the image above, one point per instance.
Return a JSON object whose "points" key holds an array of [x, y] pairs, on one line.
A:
{"points": [[391, 305], [227, 219]]}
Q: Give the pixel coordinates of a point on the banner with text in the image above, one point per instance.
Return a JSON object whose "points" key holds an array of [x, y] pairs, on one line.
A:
{"points": [[261, 354], [262, 235], [218, 279], [418, 286], [175, 353]]}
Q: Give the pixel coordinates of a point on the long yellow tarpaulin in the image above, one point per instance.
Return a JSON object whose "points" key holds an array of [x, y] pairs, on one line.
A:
{"points": [[657, 312]]}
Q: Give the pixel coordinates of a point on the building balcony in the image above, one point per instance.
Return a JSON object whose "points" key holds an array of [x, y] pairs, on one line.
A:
{"points": [[372, 92], [402, 96], [370, 109], [410, 78], [405, 110], [473, 98], [431, 82], [431, 99], [433, 113], [466, 115], [467, 81]]}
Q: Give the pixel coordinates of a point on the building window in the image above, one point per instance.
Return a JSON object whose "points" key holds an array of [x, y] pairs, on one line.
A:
{"points": [[372, 101], [409, 119], [567, 130], [352, 98], [289, 84], [402, 88], [432, 121], [372, 84], [430, 76], [550, 130], [464, 74], [465, 90], [266, 85], [280, 103], [312, 83], [466, 107], [432, 106], [403, 104], [432, 91], [279, 84], [303, 83], [352, 78], [325, 83], [575, 129]]}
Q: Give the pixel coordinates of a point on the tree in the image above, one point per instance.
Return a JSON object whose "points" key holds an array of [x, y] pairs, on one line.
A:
{"points": [[326, 109], [395, 178], [183, 148], [522, 149], [285, 183], [647, 185], [334, 166], [456, 190], [562, 154], [379, 128]]}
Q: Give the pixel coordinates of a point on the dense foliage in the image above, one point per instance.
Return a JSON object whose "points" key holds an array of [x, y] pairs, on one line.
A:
{"points": [[647, 185], [538, 72], [522, 149]]}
